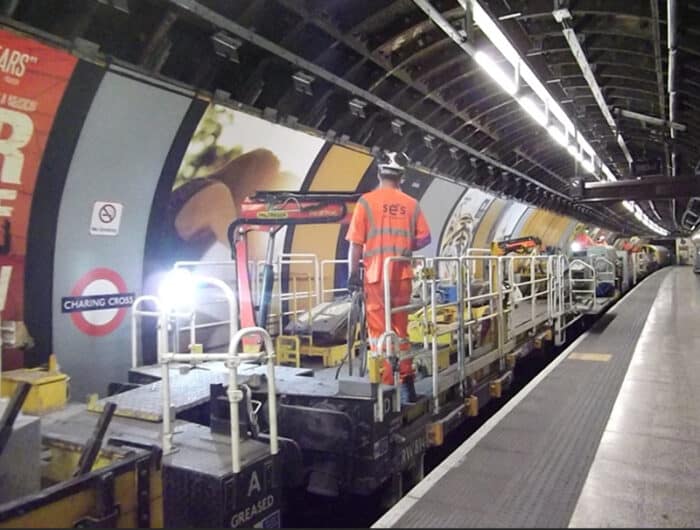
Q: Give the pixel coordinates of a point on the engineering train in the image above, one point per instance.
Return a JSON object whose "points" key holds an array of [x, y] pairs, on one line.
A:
{"points": [[302, 426], [210, 391]]}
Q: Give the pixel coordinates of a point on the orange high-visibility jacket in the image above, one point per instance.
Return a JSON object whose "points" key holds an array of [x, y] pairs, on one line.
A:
{"points": [[388, 223]]}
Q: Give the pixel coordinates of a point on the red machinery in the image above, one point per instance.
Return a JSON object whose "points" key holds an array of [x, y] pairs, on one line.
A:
{"points": [[271, 211]]}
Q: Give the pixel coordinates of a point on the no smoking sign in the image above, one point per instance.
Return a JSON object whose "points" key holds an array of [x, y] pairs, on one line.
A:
{"points": [[106, 218]]}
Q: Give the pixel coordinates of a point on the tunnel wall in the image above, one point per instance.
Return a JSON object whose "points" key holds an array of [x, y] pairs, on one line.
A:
{"points": [[139, 173]]}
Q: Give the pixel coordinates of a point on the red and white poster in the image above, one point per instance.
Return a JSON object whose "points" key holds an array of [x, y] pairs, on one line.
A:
{"points": [[33, 78]]}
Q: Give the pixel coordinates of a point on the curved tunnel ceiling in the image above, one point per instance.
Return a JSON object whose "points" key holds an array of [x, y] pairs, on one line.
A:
{"points": [[382, 74]]}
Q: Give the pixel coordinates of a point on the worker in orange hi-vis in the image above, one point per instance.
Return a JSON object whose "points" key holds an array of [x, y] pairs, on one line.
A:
{"points": [[387, 222]]}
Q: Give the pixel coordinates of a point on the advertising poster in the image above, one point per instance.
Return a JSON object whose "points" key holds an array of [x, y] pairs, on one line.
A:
{"points": [[231, 156], [33, 78], [459, 231]]}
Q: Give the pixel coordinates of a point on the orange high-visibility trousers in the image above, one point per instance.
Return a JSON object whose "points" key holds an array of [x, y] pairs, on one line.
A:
{"points": [[376, 325]]}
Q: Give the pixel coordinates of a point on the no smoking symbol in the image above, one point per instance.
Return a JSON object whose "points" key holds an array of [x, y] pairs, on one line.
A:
{"points": [[107, 213], [106, 217]]}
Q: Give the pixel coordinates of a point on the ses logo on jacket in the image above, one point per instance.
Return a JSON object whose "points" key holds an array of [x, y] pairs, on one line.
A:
{"points": [[394, 209]]}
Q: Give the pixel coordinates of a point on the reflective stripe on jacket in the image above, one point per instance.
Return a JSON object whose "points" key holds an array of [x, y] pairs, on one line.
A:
{"points": [[386, 221]]}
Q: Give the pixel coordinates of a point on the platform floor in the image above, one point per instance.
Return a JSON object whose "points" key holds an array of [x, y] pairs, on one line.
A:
{"points": [[588, 442]]}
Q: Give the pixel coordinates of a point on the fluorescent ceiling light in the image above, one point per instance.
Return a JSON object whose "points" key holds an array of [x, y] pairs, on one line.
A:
{"points": [[534, 110], [575, 151], [558, 134], [588, 165], [586, 155], [501, 42], [492, 31], [487, 63]]}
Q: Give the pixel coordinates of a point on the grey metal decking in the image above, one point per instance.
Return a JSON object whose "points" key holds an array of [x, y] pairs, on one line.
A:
{"points": [[527, 465]]}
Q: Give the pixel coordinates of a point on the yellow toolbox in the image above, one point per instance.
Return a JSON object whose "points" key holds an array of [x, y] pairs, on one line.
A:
{"points": [[49, 387]]}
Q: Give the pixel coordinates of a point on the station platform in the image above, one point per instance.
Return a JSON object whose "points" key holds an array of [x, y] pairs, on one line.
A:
{"points": [[605, 435]]}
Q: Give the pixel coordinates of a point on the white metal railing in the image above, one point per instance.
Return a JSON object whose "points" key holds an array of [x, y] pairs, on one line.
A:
{"points": [[195, 267], [589, 277], [137, 314], [542, 280], [434, 279], [459, 305], [232, 359], [556, 304], [493, 298], [310, 297], [329, 293], [537, 288], [389, 340], [605, 274]]}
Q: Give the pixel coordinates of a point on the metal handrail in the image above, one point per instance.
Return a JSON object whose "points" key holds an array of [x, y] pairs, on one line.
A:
{"points": [[610, 272], [164, 358], [304, 258], [312, 296], [193, 326], [434, 264], [388, 311], [232, 358], [137, 312], [491, 296], [332, 290], [591, 280]]}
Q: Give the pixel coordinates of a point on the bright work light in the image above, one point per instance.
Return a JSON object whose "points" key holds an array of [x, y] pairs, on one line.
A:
{"points": [[177, 290]]}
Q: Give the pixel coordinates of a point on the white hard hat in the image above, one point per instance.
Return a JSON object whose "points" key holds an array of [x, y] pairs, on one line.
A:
{"points": [[392, 164]]}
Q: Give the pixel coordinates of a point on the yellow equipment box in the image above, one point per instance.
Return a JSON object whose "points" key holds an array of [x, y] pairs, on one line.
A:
{"points": [[123, 490], [49, 388], [289, 349]]}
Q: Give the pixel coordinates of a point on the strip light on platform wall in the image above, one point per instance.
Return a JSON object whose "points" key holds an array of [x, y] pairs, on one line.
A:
{"points": [[540, 105]]}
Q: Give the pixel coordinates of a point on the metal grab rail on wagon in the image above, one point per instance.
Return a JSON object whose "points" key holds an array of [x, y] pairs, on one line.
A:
{"points": [[232, 359], [607, 274], [591, 280], [546, 300], [389, 340], [328, 294], [164, 358], [537, 288], [435, 263], [136, 315], [311, 297], [194, 267], [489, 264], [557, 298]]}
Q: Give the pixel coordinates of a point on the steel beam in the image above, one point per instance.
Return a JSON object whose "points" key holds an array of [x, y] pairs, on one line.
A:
{"points": [[580, 56], [647, 188], [651, 120], [217, 20]]}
